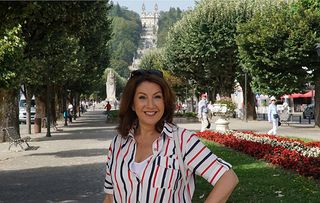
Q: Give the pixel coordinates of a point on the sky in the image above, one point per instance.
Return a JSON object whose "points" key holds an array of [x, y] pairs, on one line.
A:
{"points": [[163, 5]]}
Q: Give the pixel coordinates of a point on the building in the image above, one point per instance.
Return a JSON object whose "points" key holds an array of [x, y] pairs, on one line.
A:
{"points": [[149, 22]]}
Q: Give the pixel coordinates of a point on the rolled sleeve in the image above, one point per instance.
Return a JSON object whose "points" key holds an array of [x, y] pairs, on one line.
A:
{"points": [[108, 186], [203, 162]]}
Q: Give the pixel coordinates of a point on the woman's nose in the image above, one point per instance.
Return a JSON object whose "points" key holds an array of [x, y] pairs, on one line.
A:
{"points": [[150, 102]]}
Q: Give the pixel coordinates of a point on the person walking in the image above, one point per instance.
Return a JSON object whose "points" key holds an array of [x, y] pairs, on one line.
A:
{"points": [[108, 108], [273, 116], [70, 112], [203, 112], [144, 162], [94, 105]]}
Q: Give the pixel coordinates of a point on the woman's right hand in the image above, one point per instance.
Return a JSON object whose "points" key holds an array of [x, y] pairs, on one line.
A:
{"points": [[108, 198]]}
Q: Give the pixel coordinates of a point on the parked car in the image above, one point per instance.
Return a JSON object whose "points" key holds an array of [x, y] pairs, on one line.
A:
{"points": [[23, 111], [309, 111]]}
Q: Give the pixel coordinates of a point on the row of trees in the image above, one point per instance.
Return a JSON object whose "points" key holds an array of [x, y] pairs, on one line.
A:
{"points": [[272, 42], [49, 48]]}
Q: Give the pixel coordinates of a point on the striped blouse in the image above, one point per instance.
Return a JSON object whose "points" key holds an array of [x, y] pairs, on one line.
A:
{"points": [[161, 179]]}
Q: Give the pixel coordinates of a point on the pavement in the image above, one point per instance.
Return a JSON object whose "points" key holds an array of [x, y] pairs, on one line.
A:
{"points": [[69, 166]]}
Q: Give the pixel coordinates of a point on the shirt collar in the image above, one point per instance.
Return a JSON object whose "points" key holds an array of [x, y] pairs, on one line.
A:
{"points": [[167, 130]]}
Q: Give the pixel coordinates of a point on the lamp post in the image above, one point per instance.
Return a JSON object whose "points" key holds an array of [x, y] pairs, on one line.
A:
{"points": [[48, 106], [245, 96]]}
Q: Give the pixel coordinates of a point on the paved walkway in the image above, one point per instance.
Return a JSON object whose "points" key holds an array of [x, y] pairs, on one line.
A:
{"points": [[69, 166]]}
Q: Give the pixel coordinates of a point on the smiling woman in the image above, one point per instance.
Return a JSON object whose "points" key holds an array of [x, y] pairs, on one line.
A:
{"points": [[145, 161]]}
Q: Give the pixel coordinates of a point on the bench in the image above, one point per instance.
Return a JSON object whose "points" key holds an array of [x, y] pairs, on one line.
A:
{"points": [[15, 139], [288, 118]]}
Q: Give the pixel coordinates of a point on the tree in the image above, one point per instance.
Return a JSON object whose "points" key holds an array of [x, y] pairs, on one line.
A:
{"points": [[66, 44], [11, 50], [154, 59], [276, 44], [166, 20], [201, 47]]}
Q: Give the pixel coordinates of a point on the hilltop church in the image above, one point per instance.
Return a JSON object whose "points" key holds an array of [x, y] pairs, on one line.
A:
{"points": [[149, 21]]}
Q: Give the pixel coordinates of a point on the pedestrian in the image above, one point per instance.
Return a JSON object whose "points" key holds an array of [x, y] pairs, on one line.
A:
{"points": [[145, 163], [94, 105], [273, 116], [108, 108], [70, 112], [203, 113]]}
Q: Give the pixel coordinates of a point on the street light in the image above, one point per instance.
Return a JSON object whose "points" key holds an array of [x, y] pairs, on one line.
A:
{"points": [[48, 102], [245, 96]]}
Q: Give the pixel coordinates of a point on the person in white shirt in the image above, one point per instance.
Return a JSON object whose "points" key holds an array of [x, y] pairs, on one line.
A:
{"points": [[70, 112], [273, 116], [203, 112]]}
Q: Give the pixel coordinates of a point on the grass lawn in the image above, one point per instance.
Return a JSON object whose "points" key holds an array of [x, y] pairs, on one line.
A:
{"points": [[260, 181]]}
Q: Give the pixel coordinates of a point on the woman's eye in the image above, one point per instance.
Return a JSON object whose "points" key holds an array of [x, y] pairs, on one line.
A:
{"points": [[141, 97], [158, 96]]}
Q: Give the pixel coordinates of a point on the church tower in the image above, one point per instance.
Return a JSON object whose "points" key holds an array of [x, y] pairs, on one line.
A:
{"points": [[149, 22]]}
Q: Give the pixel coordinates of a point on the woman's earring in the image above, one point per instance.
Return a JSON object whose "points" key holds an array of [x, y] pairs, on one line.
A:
{"points": [[132, 108]]}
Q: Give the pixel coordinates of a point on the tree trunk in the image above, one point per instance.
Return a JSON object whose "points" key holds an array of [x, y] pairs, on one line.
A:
{"points": [[41, 109], [252, 114], [9, 110], [28, 97], [251, 100]]}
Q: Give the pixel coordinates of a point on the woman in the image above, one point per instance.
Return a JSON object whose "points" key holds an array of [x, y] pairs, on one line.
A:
{"points": [[273, 116], [142, 164]]}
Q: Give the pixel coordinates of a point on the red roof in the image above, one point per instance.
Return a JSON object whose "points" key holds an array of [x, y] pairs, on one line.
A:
{"points": [[300, 95]]}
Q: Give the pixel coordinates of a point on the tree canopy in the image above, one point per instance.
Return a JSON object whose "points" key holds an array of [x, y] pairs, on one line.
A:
{"points": [[166, 20], [201, 46], [277, 47]]}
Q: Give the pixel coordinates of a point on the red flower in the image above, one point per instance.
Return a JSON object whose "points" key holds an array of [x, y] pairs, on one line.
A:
{"points": [[279, 155]]}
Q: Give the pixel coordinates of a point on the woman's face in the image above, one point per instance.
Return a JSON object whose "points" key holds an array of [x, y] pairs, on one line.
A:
{"points": [[148, 103]]}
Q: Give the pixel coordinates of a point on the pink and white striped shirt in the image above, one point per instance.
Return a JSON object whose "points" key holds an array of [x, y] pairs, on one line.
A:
{"points": [[161, 179]]}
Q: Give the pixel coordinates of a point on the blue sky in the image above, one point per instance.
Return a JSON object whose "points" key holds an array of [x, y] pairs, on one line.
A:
{"points": [[163, 5]]}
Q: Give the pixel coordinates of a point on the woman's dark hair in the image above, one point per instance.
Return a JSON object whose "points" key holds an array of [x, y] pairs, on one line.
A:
{"points": [[127, 117]]}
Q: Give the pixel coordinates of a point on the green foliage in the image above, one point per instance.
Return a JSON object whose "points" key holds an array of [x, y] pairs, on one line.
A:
{"points": [[228, 102], [201, 46], [11, 51], [274, 46], [65, 43], [186, 114], [153, 59], [126, 29], [166, 20]]}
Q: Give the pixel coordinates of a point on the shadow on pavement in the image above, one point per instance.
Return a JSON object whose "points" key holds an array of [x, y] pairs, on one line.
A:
{"points": [[75, 153], [98, 134], [78, 183]]}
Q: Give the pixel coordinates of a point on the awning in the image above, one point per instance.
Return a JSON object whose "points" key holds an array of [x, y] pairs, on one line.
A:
{"points": [[300, 95]]}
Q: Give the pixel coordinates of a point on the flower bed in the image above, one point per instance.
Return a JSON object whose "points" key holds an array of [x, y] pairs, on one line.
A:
{"points": [[296, 155]]}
